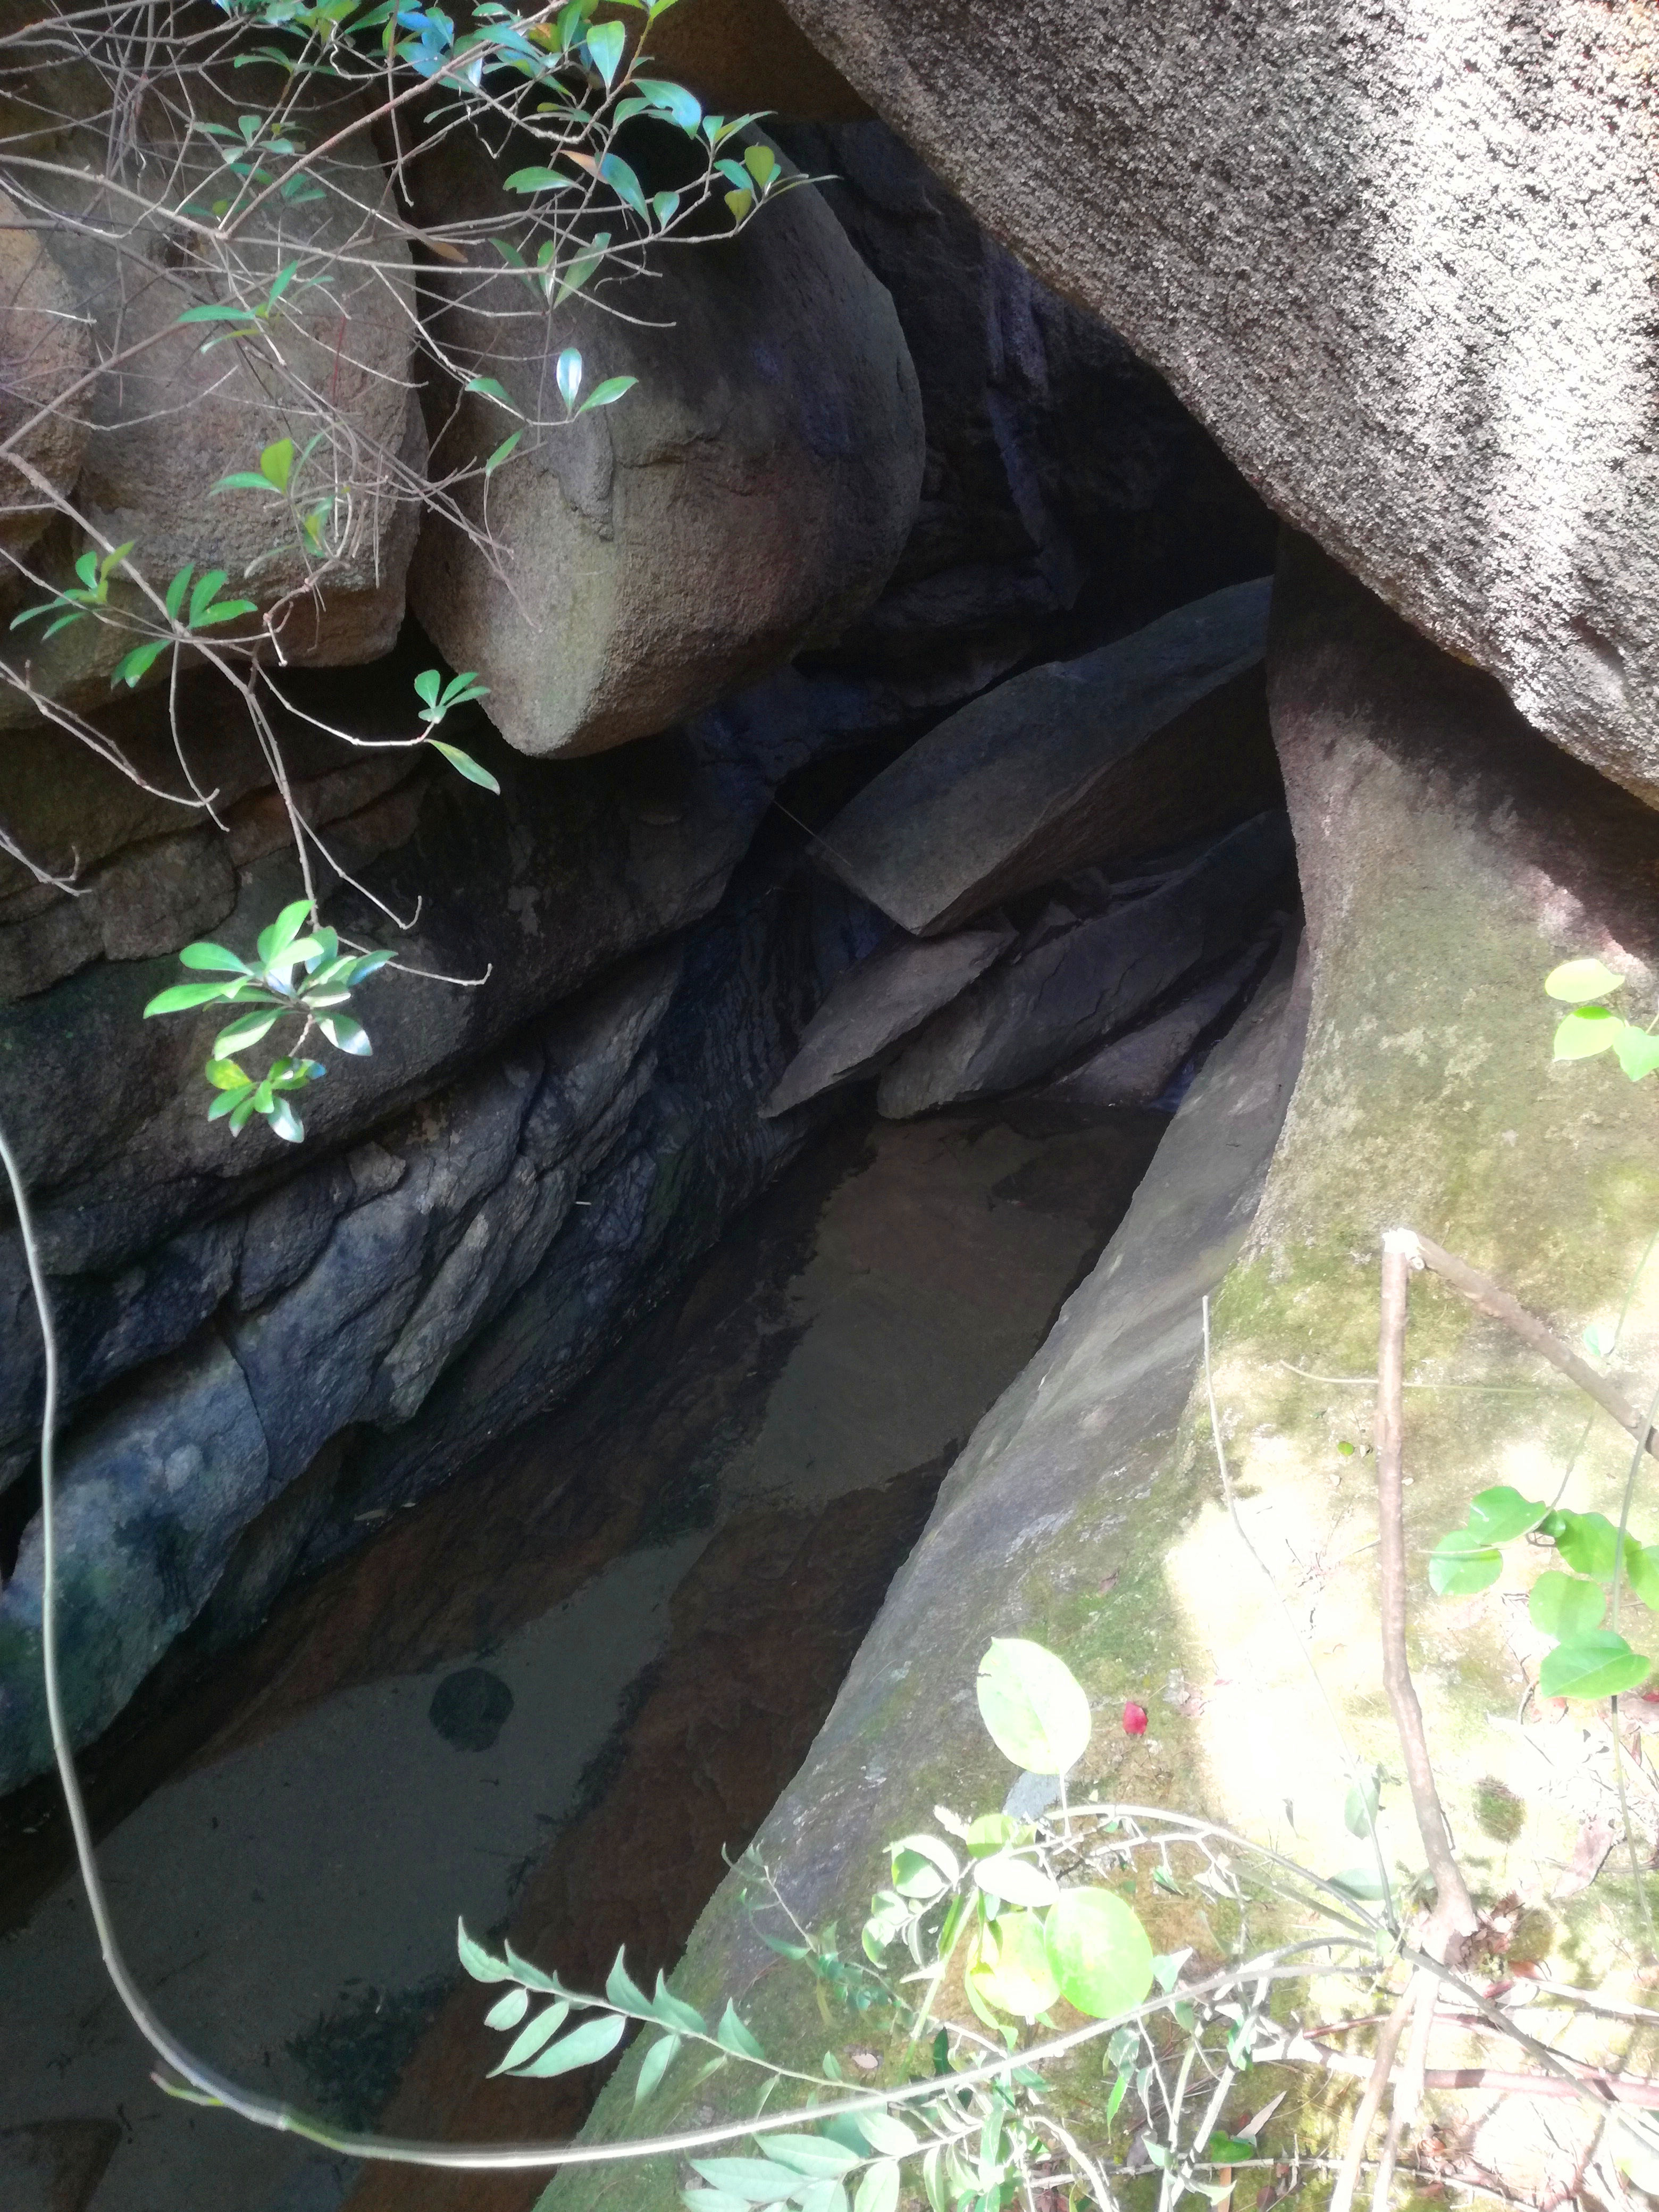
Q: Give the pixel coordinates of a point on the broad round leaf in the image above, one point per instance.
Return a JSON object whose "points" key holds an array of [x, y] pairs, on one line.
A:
{"points": [[1100, 1955], [1637, 1051], [1583, 1034], [1498, 1514], [1016, 1880], [1566, 1606], [1010, 1965], [1597, 1665], [1589, 1543], [1459, 1567], [1642, 1565], [1033, 1707], [1575, 980]]}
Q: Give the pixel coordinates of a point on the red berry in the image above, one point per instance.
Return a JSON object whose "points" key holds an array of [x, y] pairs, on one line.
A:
{"points": [[1134, 1718]]}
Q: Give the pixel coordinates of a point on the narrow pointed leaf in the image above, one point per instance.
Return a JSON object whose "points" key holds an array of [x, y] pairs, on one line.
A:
{"points": [[525, 2045], [584, 2046], [466, 765], [657, 2061]]}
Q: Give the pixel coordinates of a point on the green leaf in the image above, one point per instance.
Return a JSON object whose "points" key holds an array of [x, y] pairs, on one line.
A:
{"points": [[608, 393], [569, 376], [138, 663], [1459, 1566], [712, 2200], [674, 2012], [1565, 1606], [489, 388], [990, 1832], [180, 996], [604, 43], [815, 2156], [200, 598], [888, 2134], [623, 1991], [657, 2061], [541, 2030], [1575, 980], [1588, 1542], [504, 452], [247, 1029], [732, 2035], [622, 180], [1032, 1705], [739, 204], [1100, 1955], [749, 2180], [824, 2196], [226, 611], [878, 2190], [670, 99], [1498, 1514], [1586, 1032], [584, 2046], [1010, 1968], [176, 590], [467, 766], [225, 1075], [284, 1121], [276, 462], [508, 2011], [537, 180], [240, 1112], [1636, 1051], [227, 1101], [348, 1035], [1361, 1882], [1016, 1880], [761, 164], [1120, 2090], [1360, 1809], [532, 1976], [1597, 1665], [1642, 1565], [283, 930], [478, 1961], [664, 206], [1227, 2150], [427, 685], [217, 314]]}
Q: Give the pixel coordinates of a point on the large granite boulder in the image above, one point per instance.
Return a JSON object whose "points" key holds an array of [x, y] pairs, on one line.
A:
{"points": [[45, 348], [745, 500], [1404, 280], [165, 427], [1160, 736], [1073, 982]]}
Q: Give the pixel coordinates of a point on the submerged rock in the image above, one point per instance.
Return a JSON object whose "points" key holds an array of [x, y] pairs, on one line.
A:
{"points": [[1160, 737], [1074, 982], [877, 1005]]}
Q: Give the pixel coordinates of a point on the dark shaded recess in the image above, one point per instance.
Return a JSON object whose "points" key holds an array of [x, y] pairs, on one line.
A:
{"points": [[631, 1458], [1068, 496]]}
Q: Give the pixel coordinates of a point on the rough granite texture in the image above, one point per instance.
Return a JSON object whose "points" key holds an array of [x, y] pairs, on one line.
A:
{"points": [[1399, 261]]}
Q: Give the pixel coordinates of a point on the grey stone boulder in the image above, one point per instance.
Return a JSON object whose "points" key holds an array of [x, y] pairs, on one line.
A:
{"points": [[1137, 1069], [1405, 281], [1158, 736], [876, 1005], [45, 348], [1074, 982], [745, 501]]}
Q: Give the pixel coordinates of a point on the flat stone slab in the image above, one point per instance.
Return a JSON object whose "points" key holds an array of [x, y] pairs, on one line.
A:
{"points": [[1137, 1069], [1157, 737], [876, 1005], [1073, 987]]}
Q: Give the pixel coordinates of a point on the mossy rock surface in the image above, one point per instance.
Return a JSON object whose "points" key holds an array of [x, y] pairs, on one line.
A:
{"points": [[1449, 858]]}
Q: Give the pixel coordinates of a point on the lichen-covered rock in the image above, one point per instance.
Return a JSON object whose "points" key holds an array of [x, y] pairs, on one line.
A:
{"points": [[743, 501], [1403, 275]]}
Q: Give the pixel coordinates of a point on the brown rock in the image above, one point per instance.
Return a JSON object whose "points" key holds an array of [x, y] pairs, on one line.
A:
{"points": [[46, 347], [55, 2166], [1159, 737]]}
